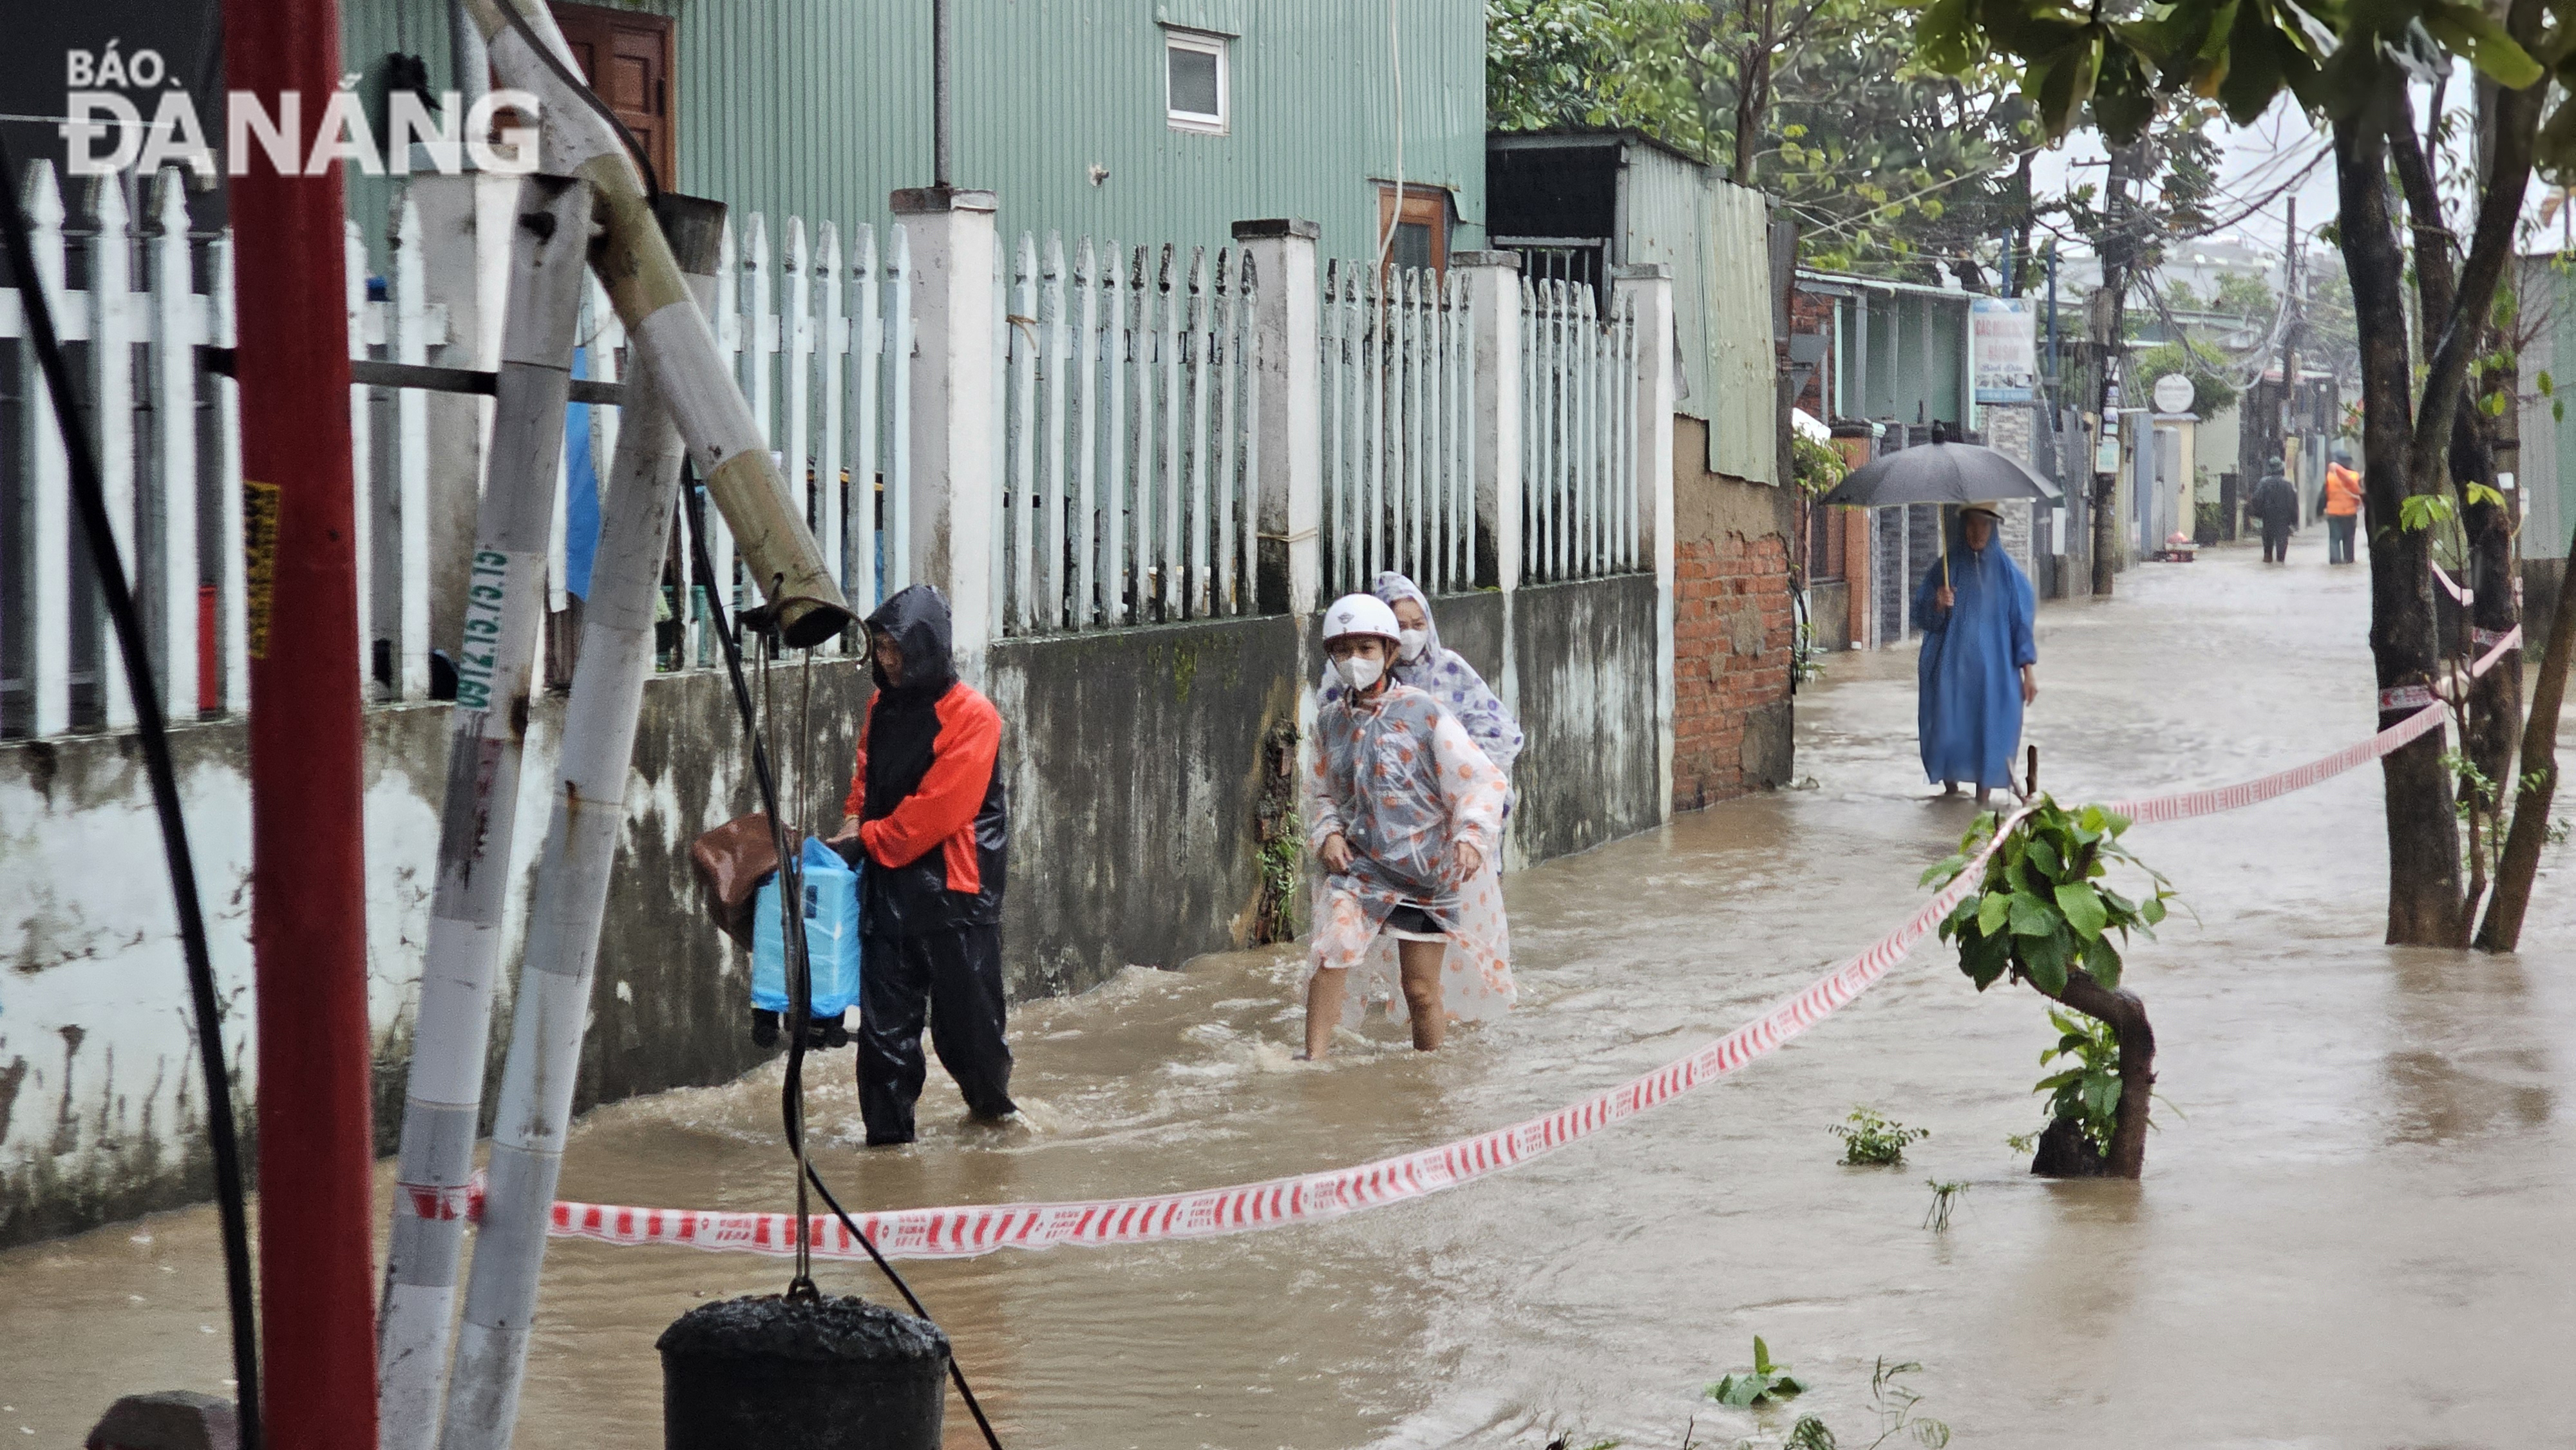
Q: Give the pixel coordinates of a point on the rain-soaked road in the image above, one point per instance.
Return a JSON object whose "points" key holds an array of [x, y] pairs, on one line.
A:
{"points": [[2351, 1231]]}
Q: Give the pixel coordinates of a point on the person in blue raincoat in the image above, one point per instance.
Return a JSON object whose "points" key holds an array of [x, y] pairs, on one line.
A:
{"points": [[1979, 663]]}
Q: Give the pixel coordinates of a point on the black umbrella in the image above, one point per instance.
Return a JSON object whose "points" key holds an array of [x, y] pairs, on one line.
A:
{"points": [[1938, 473], [1951, 473]]}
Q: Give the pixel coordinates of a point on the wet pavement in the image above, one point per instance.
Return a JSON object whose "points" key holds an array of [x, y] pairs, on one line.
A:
{"points": [[2349, 1233]]}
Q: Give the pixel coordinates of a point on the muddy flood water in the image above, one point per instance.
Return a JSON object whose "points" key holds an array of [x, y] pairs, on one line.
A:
{"points": [[2351, 1233]]}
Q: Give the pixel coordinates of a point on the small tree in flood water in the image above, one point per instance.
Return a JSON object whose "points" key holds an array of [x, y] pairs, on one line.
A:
{"points": [[2043, 915]]}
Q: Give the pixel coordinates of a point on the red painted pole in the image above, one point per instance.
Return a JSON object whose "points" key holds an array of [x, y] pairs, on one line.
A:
{"points": [[308, 888]]}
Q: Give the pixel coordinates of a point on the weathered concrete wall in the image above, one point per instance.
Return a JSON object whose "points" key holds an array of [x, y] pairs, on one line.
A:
{"points": [[100, 1101], [1584, 657], [1133, 764], [1733, 630]]}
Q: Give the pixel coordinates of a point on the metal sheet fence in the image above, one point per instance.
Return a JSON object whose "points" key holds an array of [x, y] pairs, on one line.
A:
{"points": [[1129, 406], [1399, 480], [1578, 435]]}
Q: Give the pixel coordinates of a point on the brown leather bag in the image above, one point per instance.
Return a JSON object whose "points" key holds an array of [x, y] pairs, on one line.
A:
{"points": [[731, 861]]}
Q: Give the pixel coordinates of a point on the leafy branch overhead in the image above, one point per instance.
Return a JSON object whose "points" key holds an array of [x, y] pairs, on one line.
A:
{"points": [[2332, 55]]}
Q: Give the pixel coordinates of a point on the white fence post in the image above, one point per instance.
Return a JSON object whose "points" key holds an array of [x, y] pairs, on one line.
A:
{"points": [[956, 409], [407, 330], [176, 324], [834, 340], [867, 408], [111, 392], [235, 600], [1287, 391], [1494, 412], [1648, 288], [796, 352], [49, 532], [362, 472]]}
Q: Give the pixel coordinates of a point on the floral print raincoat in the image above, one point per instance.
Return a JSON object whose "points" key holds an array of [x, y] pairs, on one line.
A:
{"points": [[1401, 781]]}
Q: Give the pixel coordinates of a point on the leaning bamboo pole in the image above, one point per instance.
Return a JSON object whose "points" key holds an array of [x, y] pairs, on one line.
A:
{"points": [[665, 324], [505, 608], [553, 1004]]}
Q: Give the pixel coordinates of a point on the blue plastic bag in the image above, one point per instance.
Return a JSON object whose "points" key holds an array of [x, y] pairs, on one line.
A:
{"points": [[831, 936]]}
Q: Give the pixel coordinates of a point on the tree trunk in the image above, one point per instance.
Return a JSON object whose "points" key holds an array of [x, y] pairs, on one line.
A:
{"points": [[2127, 1017], [1753, 95], [2424, 904], [2502, 929], [2494, 706]]}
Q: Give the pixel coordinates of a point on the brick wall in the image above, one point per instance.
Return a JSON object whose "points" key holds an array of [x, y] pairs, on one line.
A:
{"points": [[1732, 631]]}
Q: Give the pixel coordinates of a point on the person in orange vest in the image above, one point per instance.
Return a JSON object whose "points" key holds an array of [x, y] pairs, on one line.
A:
{"points": [[2343, 508]]}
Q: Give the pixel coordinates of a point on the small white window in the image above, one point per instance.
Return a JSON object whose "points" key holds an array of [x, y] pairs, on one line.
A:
{"points": [[1194, 88]]}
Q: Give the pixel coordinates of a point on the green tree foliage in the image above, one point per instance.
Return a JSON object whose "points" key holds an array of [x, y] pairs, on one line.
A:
{"points": [[2238, 294], [1891, 167], [1592, 64], [2213, 392], [2126, 62]]}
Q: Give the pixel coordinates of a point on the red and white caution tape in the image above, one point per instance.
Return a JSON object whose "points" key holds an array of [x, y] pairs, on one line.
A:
{"points": [[944, 1233], [972, 1230], [2451, 586]]}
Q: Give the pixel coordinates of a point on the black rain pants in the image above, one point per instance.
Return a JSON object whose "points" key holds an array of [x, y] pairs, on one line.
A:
{"points": [[955, 976], [2276, 543]]}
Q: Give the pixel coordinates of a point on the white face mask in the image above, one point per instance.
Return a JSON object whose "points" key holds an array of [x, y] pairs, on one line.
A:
{"points": [[1409, 644], [1357, 673]]}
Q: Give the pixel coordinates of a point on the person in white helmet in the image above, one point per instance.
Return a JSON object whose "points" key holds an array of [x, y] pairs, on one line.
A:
{"points": [[1405, 810]]}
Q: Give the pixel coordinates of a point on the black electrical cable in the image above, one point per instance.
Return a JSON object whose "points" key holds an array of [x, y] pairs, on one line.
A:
{"points": [[704, 565], [91, 499], [563, 73]]}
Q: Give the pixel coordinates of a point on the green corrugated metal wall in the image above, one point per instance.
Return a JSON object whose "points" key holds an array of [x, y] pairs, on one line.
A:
{"points": [[1715, 237], [821, 107], [2549, 502]]}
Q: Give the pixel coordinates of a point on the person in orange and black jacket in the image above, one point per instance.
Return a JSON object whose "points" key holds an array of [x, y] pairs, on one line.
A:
{"points": [[2342, 508], [926, 813]]}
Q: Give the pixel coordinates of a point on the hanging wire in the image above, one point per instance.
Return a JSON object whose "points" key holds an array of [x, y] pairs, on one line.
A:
{"points": [[90, 499], [802, 1003], [799, 967]]}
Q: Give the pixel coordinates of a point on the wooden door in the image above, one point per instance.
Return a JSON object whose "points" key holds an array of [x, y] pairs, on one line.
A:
{"points": [[626, 55], [1421, 227]]}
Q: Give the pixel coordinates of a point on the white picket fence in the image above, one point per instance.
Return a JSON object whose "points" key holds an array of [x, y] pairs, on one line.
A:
{"points": [[1578, 435], [1126, 494], [128, 330], [1127, 481], [815, 343], [822, 345], [1399, 484]]}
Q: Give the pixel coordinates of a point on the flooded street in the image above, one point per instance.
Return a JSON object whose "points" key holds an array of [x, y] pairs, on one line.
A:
{"points": [[2348, 1233]]}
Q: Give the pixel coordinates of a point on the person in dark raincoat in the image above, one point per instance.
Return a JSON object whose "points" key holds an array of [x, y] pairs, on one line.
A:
{"points": [[926, 813], [2275, 504], [1979, 662]]}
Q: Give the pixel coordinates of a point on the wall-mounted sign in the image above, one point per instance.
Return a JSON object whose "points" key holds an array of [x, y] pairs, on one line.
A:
{"points": [[2002, 352], [2174, 393]]}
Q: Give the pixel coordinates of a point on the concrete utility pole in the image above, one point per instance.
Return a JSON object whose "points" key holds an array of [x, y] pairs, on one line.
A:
{"points": [[2101, 334], [2103, 325], [2289, 429]]}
